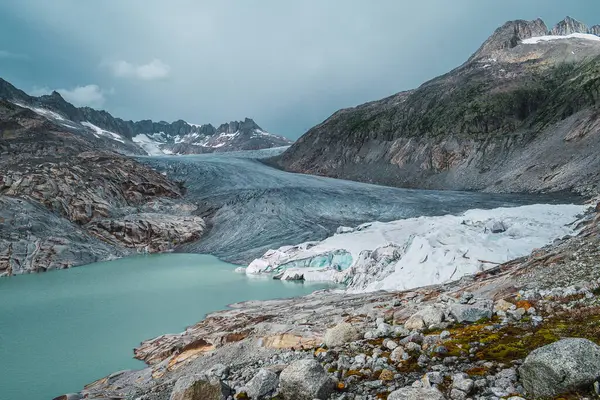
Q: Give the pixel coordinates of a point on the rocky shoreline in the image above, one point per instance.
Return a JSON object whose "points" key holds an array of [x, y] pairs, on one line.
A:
{"points": [[504, 333]]}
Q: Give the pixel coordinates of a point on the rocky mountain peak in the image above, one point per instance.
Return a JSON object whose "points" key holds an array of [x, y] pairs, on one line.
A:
{"points": [[234, 126], [595, 30], [510, 34], [568, 26]]}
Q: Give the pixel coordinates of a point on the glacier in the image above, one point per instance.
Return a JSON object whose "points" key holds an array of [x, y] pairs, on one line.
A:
{"points": [[426, 250]]}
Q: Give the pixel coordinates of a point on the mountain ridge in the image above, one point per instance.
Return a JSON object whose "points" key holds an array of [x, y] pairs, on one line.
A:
{"points": [[518, 116], [172, 133]]}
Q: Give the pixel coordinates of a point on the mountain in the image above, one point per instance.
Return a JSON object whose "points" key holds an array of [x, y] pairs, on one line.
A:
{"points": [[146, 137], [67, 200], [520, 115]]}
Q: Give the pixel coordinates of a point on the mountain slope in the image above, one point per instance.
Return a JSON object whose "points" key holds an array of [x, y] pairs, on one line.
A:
{"points": [[520, 115], [146, 136]]}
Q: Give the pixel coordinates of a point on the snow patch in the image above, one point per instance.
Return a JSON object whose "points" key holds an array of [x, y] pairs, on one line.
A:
{"points": [[43, 112], [538, 39], [149, 145], [420, 251], [98, 132]]}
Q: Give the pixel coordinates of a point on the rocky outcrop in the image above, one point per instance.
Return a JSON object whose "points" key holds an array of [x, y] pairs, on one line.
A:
{"points": [[595, 30], [516, 117], [150, 232], [64, 202], [510, 35], [568, 26]]}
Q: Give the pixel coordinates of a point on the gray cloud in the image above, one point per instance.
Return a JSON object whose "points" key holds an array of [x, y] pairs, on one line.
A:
{"points": [[155, 69], [88, 95]]}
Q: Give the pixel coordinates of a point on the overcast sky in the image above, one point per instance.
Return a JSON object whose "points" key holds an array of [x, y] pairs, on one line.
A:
{"points": [[288, 64]]}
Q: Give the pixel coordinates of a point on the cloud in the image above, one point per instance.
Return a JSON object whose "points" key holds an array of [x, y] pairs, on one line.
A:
{"points": [[10, 55], [155, 69], [89, 95]]}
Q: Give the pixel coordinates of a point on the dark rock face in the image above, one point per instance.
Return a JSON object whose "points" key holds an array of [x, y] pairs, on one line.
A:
{"points": [[568, 26], [507, 120], [64, 203], [595, 30]]}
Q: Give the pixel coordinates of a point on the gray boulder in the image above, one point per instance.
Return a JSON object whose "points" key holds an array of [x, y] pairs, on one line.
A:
{"points": [[262, 384], [199, 387], [566, 365], [341, 334], [305, 380], [410, 393], [481, 309]]}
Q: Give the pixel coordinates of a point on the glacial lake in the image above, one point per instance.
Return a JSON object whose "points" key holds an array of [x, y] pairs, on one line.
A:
{"points": [[63, 329]]}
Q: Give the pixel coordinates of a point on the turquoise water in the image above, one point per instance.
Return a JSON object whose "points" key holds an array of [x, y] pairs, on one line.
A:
{"points": [[60, 330]]}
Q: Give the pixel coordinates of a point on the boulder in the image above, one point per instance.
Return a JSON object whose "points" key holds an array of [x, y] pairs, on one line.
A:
{"points": [[563, 366], [415, 322], [410, 393], [481, 309], [199, 388], [341, 334], [262, 384], [305, 380]]}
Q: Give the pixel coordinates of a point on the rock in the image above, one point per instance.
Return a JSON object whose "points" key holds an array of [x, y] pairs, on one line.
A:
{"points": [[482, 309], [386, 375], [456, 394], [263, 383], [397, 354], [415, 323], [503, 305], [497, 227], [390, 344], [432, 315], [199, 388], [444, 335], [383, 330], [341, 334], [220, 371], [462, 383], [410, 393], [568, 364], [69, 396], [568, 26], [305, 380], [595, 30]]}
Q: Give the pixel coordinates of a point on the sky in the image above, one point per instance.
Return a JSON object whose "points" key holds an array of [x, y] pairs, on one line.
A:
{"points": [[288, 64]]}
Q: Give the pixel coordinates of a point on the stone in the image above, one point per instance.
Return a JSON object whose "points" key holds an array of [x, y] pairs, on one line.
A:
{"points": [[341, 334], [462, 383], [263, 383], [415, 323], [432, 315], [444, 335], [69, 396], [482, 309], [305, 380], [410, 393], [386, 375], [199, 388], [568, 364], [503, 305], [397, 354], [456, 394], [220, 371], [390, 344], [498, 227], [383, 330]]}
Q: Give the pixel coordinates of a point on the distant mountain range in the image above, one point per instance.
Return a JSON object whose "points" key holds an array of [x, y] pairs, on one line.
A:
{"points": [[146, 136], [522, 114]]}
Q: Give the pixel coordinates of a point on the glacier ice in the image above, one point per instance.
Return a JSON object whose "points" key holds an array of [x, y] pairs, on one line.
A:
{"points": [[421, 251]]}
